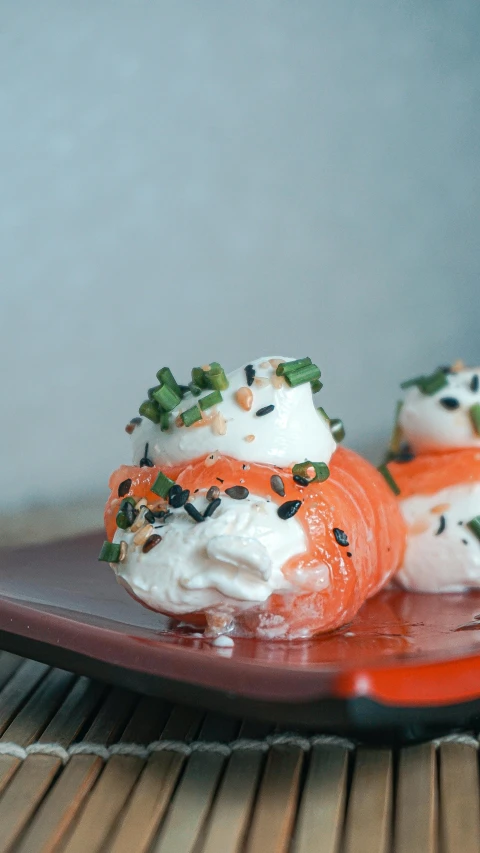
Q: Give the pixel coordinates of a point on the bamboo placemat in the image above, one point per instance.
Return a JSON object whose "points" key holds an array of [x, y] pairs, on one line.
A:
{"points": [[85, 767]]}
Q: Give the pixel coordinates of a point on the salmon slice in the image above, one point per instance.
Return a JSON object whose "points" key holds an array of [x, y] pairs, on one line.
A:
{"points": [[355, 499], [429, 473]]}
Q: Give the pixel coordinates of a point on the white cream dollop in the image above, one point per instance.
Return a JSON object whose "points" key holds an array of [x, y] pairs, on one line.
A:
{"points": [[429, 425], [442, 555], [293, 432], [234, 557]]}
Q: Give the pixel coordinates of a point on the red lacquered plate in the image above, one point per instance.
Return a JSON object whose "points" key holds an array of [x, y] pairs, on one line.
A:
{"points": [[405, 663]]}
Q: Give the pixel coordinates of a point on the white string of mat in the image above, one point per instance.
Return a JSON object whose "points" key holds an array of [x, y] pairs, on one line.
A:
{"points": [[14, 750]]}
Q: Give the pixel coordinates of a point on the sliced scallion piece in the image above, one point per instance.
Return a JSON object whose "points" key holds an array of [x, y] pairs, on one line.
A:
{"points": [[474, 526], [149, 409], [323, 413], [316, 386], [216, 377], [210, 400], [322, 471], [166, 377], [110, 552], [337, 429], [191, 416], [433, 383], [474, 412], [410, 383], [383, 470], [151, 392], [166, 398], [194, 389], [395, 442], [198, 377], [162, 485], [290, 366], [309, 373], [164, 421]]}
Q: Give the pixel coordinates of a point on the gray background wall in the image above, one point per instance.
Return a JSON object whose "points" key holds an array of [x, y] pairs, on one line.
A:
{"points": [[189, 181]]}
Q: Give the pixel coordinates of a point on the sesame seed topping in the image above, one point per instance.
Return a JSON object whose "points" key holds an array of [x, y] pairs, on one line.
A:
{"points": [[449, 403], [193, 512], [124, 488], [250, 374], [474, 383], [150, 543], [249, 438], [212, 507], [340, 536], [265, 410], [238, 493], [442, 525], [288, 509], [277, 485], [213, 493]]}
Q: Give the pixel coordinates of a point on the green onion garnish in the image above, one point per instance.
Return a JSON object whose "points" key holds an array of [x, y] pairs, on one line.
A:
{"points": [[383, 470], [287, 367], [216, 377], [198, 377], [474, 526], [427, 384], [191, 416], [322, 471], [210, 400], [309, 373], [149, 409], [166, 377], [162, 485], [164, 421], [474, 412], [110, 552], [337, 429], [323, 413], [151, 392], [194, 389], [395, 443], [316, 386], [166, 398]]}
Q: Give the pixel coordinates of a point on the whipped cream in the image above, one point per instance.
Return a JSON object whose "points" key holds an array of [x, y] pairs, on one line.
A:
{"points": [[235, 556], [293, 432], [442, 554], [428, 425]]}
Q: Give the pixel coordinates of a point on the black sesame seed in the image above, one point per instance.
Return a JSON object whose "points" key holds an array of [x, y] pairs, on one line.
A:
{"points": [[300, 481], [136, 421], [465, 541], [174, 491], [340, 536], [250, 374], [277, 485], [184, 389], [212, 507], [161, 513], [129, 512], [442, 525], [124, 488], [474, 383], [149, 516], [150, 543], [220, 480], [265, 411], [444, 368], [213, 493], [179, 499], [238, 493], [349, 553], [288, 509], [145, 461], [460, 522], [449, 403], [193, 512]]}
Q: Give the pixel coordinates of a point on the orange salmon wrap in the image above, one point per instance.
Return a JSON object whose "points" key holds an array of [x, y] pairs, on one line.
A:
{"points": [[429, 473], [355, 499]]}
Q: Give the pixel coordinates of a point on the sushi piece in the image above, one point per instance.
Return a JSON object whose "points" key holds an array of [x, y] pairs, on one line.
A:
{"points": [[241, 515], [435, 464]]}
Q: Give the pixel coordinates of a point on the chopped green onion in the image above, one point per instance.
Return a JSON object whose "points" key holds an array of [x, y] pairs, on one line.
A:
{"points": [[123, 521], [149, 409], [337, 429], [194, 389], [427, 384], [110, 552], [290, 366], [166, 377], [129, 500], [210, 400], [395, 442], [383, 470], [167, 398], [316, 386], [151, 392], [216, 377], [474, 526], [164, 421], [162, 485], [198, 377], [322, 471], [323, 413], [303, 375], [474, 412], [191, 416]]}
